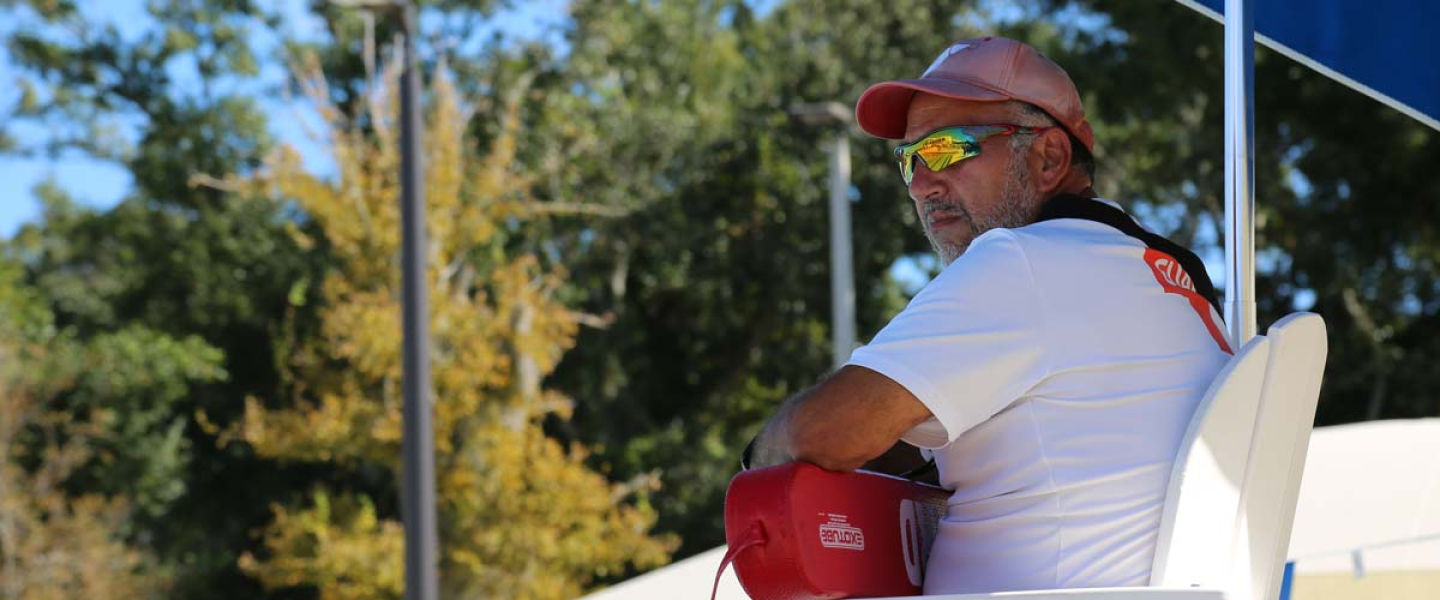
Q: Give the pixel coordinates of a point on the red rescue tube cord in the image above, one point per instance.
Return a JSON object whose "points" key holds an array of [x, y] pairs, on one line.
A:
{"points": [[754, 536]]}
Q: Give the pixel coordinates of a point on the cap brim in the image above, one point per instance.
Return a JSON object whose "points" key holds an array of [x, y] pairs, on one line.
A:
{"points": [[881, 109]]}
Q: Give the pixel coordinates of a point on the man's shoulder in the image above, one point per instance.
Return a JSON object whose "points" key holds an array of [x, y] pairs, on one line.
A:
{"points": [[1069, 238], [1010, 248], [1067, 229], [995, 264], [996, 248]]}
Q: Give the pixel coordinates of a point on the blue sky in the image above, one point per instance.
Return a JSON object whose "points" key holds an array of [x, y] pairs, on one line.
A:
{"points": [[101, 184]]}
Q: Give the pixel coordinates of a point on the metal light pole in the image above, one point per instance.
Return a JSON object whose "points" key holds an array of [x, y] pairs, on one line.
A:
{"points": [[417, 492], [1240, 170], [842, 268], [417, 498], [842, 264]]}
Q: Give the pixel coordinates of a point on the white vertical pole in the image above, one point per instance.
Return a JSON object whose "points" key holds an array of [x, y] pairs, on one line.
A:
{"points": [[1240, 170], [842, 270]]}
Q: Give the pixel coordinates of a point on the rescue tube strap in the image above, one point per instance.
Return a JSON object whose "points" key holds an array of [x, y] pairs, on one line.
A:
{"points": [[754, 536]]}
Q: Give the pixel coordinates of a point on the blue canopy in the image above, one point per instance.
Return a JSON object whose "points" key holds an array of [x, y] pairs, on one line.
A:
{"points": [[1387, 49]]}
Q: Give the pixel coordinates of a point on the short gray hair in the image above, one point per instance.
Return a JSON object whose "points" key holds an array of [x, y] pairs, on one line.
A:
{"points": [[1034, 116]]}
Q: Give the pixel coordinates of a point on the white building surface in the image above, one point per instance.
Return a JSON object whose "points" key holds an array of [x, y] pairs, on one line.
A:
{"points": [[1367, 524], [1368, 521], [684, 580]]}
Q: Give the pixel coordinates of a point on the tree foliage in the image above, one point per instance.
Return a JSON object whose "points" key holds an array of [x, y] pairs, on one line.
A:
{"points": [[520, 513], [170, 259], [55, 543]]}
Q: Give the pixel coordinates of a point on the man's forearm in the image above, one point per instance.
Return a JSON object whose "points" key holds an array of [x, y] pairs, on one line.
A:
{"points": [[792, 434], [852, 416]]}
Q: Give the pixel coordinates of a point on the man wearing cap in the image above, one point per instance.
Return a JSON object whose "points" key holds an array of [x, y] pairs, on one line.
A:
{"points": [[1052, 367]]}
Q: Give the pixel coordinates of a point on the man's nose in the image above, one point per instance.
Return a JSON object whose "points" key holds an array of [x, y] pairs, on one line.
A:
{"points": [[924, 183]]}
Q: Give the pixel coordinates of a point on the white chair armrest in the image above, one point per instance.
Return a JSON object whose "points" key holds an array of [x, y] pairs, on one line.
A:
{"points": [[1126, 593]]}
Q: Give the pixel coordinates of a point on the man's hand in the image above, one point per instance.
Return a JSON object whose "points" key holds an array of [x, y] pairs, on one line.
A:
{"points": [[841, 423]]}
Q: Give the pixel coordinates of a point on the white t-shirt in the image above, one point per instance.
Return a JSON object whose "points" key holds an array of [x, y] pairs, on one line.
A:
{"points": [[1062, 369]]}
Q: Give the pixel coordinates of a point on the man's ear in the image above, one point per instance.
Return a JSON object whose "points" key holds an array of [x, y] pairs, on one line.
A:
{"points": [[1050, 159]]}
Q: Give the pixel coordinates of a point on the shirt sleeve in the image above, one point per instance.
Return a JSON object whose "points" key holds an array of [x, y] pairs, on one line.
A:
{"points": [[969, 344]]}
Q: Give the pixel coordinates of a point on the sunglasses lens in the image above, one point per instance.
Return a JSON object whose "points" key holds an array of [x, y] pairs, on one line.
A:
{"points": [[907, 165], [939, 150]]}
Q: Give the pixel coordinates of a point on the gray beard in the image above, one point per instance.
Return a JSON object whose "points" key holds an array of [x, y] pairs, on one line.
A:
{"points": [[1018, 206]]}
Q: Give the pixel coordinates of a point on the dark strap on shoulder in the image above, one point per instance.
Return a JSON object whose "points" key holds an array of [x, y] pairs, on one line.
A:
{"points": [[1070, 206]]}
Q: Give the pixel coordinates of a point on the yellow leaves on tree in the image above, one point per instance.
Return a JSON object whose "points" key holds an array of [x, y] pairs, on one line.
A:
{"points": [[340, 543], [521, 516]]}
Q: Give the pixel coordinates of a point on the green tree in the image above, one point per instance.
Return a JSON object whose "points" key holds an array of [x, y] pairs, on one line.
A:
{"points": [[521, 515], [172, 261], [73, 467]]}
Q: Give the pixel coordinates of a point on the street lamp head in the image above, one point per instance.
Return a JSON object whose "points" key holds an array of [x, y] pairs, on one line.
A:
{"points": [[822, 113], [370, 4]]}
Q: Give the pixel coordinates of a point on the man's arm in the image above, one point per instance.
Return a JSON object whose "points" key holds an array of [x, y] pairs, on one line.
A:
{"points": [[851, 417]]}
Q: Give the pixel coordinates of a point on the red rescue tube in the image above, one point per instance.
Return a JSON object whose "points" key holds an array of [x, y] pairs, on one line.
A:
{"points": [[799, 532]]}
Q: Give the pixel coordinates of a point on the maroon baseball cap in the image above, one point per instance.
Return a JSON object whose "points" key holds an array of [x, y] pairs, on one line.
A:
{"points": [[987, 69]]}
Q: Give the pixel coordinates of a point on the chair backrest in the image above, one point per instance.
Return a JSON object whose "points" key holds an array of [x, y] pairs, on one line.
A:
{"points": [[1277, 454], [1231, 500], [1203, 498]]}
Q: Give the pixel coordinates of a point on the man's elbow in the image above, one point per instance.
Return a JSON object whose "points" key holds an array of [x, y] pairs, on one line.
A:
{"points": [[831, 464], [833, 455]]}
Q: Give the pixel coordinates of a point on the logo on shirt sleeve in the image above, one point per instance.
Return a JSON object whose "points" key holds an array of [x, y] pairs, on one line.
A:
{"points": [[1175, 280]]}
